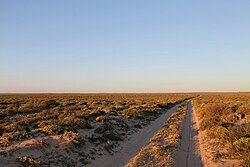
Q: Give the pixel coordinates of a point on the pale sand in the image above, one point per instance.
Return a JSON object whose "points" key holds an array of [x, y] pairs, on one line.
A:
{"points": [[135, 142], [188, 154]]}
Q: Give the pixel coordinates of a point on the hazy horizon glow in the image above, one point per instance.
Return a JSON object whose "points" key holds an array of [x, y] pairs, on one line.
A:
{"points": [[124, 46]]}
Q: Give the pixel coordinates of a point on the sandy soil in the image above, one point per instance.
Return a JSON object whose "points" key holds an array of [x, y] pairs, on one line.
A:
{"points": [[133, 144], [187, 154]]}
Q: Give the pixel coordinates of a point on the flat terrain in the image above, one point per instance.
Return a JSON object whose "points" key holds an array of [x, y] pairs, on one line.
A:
{"points": [[113, 130], [187, 154], [135, 142], [78, 129]]}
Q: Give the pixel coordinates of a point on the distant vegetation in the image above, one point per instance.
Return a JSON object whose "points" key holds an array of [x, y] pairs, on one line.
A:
{"points": [[35, 116], [60, 125]]}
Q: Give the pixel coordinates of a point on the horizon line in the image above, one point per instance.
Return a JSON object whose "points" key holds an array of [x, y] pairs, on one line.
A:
{"points": [[123, 92]]}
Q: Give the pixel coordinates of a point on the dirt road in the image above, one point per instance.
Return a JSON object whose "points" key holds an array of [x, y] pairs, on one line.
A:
{"points": [[187, 154], [131, 146]]}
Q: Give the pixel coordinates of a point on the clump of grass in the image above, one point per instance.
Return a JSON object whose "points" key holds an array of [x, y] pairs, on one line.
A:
{"points": [[28, 161]]}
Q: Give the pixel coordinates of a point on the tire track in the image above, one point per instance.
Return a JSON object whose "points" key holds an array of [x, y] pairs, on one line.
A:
{"points": [[187, 154], [130, 147]]}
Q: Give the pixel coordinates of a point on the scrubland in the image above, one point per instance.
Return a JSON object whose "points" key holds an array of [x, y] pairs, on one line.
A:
{"points": [[161, 148], [78, 129], [72, 129], [224, 128]]}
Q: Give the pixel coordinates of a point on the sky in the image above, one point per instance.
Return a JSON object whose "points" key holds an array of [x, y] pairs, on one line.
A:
{"points": [[124, 46]]}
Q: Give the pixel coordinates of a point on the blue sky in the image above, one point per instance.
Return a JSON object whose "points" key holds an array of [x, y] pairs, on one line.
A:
{"points": [[124, 46]]}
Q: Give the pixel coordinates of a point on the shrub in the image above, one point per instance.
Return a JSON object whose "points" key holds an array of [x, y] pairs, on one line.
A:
{"points": [[73, 137], [173, 127], [103, 128], [28, 161], [77, 122], [215, 157], [111, 136], [17, 136], [162, 151], [96, 113], [102, 118], [43, 123], [207, 123], [241, 147], [132, 113], [50, 103], [217, 132], [216, 110], [13, 128], [52, 130], [234, 133]]}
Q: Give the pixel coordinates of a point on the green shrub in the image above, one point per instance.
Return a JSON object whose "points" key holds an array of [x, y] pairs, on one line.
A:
{"points": [[76, 122], [52, 130]]}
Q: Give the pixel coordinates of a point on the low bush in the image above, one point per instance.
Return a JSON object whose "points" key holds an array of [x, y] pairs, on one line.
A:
{"points": [[162, 151], [102, 118], [207, 123], [112, 136], [50, 103], [217, 132], [52, 130], [216, 110], [132, 113], [13, 128], [28, 161], [234, 133], [103, 128], [241, 147], [17, 136], [96, 113], [76, 122], [73, 137]]}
